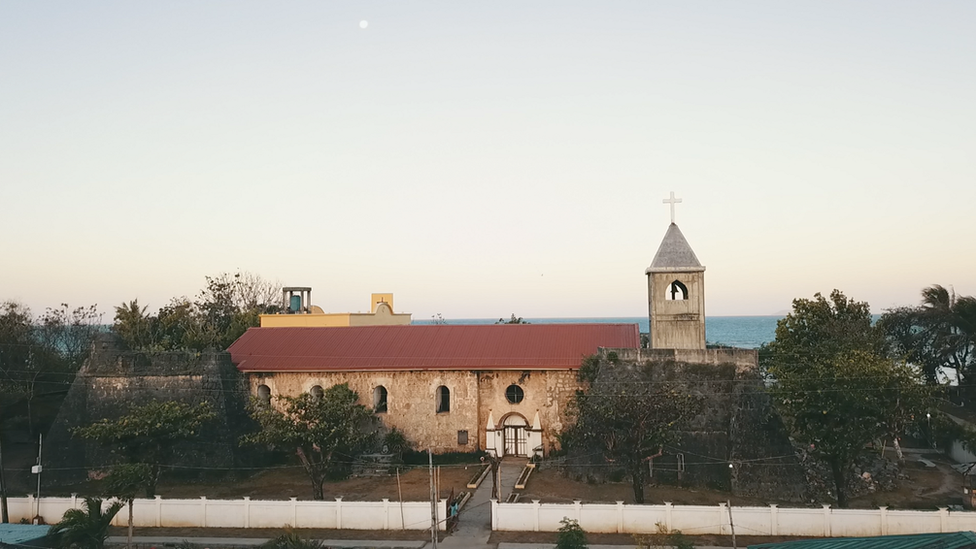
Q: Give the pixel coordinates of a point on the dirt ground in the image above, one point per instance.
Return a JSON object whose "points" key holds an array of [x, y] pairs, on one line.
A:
{"points": [[550, 486], [925, 488], [287, 482]]}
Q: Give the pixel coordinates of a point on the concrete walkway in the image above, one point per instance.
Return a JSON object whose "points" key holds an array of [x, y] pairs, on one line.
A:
{"points": [[474, 521]]}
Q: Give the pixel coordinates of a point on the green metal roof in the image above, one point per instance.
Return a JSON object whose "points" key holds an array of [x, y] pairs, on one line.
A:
{"points": [[954, 540], [12, 534]]}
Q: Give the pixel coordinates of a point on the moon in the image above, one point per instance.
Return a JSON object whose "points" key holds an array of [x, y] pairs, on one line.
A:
{"points": [[363, 24]]}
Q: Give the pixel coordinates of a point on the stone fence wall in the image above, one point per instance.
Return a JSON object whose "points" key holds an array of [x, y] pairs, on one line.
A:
{"points": [[702, 519], [248, 513]]}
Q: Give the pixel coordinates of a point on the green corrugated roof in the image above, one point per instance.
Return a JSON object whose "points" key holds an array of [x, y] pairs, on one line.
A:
{"points": [[954, 540], [12, 534]]}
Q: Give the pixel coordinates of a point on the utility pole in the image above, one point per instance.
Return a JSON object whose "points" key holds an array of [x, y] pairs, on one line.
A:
{"points": [[37, 469], [433, 500], [731, 526], [3, 487]]}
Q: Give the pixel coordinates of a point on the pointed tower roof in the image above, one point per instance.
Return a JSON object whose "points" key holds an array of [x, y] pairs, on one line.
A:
{"points": [[674, 254]]}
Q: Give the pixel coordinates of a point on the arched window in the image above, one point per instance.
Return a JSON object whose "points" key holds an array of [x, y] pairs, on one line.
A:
{"points": [[317, 392], [514, 394], [379, 399], [264, 394], [443, 399], [676, 291]]}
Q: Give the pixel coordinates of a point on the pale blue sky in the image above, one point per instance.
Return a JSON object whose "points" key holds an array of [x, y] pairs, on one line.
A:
{"points": [[479, 159]]}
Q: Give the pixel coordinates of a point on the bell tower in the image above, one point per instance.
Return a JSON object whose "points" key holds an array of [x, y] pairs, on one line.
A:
{"points": [[676, 292]]}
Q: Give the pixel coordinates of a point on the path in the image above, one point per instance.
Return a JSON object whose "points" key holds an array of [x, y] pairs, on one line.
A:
{"points": [[474, 521]]}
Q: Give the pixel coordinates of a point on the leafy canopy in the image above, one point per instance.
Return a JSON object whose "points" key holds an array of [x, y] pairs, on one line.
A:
{"points": [[938, 334], [324, 432], [149, 433], [835, 387], [221, 313], [819, 329], [628, 416], [571, 535], [42, 354]]}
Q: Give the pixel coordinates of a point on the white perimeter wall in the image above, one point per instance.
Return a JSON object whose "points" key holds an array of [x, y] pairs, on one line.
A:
{"points": [[701, 519], [247, 513]]}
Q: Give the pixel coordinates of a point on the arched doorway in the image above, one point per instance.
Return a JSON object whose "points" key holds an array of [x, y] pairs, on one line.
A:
{"points": [[513, 435]]}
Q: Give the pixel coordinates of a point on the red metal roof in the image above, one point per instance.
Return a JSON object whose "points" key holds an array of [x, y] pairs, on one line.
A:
{"points": [[428, 347]]}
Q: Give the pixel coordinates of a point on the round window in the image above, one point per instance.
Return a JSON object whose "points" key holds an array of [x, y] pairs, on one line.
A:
{"points": [[514, 394]]}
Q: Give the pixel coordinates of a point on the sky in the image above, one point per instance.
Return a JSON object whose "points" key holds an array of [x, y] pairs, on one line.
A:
{"points": [[483, 159]]}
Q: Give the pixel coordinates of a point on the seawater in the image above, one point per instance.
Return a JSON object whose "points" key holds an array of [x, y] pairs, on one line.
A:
{"points": [[746, 332]]}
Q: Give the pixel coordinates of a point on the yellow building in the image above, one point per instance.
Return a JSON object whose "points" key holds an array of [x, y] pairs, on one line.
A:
{"points": [[300, 313]]}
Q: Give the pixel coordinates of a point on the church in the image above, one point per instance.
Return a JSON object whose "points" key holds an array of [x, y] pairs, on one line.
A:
{"points": [[500, 388]]}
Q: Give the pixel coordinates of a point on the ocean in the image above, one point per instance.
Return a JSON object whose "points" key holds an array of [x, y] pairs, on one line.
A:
{"points": [[746, 332]]}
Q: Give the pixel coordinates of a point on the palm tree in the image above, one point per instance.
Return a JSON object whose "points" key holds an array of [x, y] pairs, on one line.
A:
{"points": [[950, 326], [85, 528]]}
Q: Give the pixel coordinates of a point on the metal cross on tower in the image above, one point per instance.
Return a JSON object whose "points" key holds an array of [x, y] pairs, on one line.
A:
{"points": [[672, 201]]}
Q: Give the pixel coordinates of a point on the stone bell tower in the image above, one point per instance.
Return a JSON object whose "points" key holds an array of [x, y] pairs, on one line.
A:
{"points": [[676, 292]]}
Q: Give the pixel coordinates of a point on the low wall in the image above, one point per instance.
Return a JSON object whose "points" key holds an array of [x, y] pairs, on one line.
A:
{"points": [[247, 513], [748, 521]]}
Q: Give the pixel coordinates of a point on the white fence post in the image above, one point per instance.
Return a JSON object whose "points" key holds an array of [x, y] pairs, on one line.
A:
{"points": [[386, 514], [826, 522], [535, 515], [294, 512], [247, 512], [723, 519], [944, 518], [339, 513], [579, 509], [494, 515], [159, 511], [620, 517], [773, 520], [667, 516], [884, 520]]}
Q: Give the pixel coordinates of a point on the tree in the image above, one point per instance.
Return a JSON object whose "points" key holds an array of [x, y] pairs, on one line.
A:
{"points": [[322, 431], [134, 326], [839, 406], [834, 385], [85, 528], [70, 332], [938, 334], [513, 320], [222, 312], [41, 356], [124, 482], [819, 329], [627, 416], [148, 434], [438, 319], [571, 535]]}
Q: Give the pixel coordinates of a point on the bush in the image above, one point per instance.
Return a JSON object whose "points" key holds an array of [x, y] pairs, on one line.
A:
{"points": [[571, 535], [396, 443], [291, 540]]}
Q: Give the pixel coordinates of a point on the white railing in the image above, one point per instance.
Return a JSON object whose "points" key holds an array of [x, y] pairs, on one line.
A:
{"points": [[702, 519], [248, 513]]}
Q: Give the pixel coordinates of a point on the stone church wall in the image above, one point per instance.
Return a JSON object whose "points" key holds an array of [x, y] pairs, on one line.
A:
{"points": [[412, 400]]}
